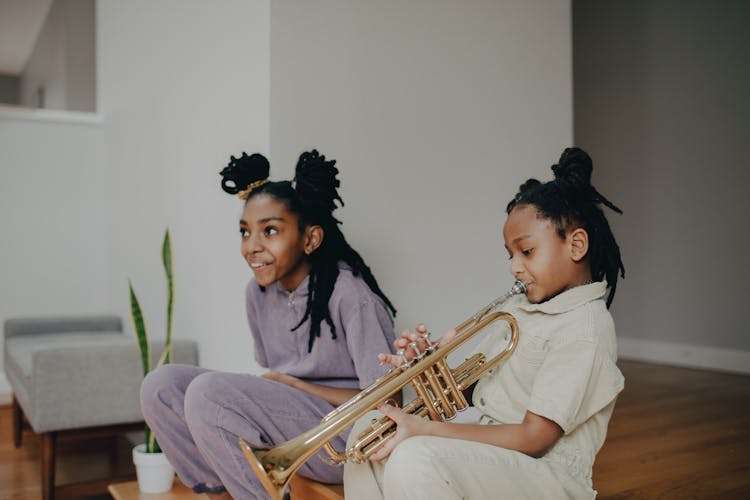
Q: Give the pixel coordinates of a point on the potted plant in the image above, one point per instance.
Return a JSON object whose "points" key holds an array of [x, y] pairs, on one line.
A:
{"points": [[155, 474]]}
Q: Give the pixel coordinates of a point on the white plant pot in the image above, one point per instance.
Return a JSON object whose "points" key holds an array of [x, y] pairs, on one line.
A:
{"points": [[155, 474]]}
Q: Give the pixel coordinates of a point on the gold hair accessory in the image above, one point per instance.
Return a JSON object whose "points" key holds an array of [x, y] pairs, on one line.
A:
{"points": [[244, 194]]}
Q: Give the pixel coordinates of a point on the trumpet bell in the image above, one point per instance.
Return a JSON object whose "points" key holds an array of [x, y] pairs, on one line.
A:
{"points": [[267, 478]]}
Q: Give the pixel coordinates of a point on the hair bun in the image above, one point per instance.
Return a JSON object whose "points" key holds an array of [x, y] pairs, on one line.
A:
{"points": [[316, 181], [529, 184], [243, 171], [573, 169]]}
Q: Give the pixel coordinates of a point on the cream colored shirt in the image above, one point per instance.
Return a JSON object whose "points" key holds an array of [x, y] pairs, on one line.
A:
{"points": [[563, 369]]}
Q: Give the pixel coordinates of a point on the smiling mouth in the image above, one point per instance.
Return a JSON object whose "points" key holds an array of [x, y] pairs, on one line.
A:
{"points": [[257, 265]]}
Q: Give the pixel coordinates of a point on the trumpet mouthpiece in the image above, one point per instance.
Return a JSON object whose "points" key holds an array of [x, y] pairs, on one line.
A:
{"points": [[518, 287]]}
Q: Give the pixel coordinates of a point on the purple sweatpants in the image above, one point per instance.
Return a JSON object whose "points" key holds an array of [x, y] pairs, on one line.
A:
{"points": [[197, 416]]}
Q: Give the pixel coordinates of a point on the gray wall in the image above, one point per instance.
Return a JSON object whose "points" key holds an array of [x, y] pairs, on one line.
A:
{"points": [[436, 112], [662, 104], [63, 60]]}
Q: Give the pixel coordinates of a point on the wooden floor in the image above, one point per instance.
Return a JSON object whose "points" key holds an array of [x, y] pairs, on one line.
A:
{"points": [[78, 460], [675, 434]]}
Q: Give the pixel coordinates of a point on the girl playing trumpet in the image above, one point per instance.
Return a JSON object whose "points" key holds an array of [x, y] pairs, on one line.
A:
{"points": [[545, 411]]}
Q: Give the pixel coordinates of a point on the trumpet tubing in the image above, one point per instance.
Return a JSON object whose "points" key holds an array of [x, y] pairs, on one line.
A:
{"points": [[439, 396]]}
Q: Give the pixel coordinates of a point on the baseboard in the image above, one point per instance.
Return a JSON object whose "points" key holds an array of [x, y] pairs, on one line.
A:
{"points": [[691, 356], [6, 393]]}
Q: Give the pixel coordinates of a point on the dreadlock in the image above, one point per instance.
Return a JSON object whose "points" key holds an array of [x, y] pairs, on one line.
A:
{"points": [[571, 201], [313, 196]]}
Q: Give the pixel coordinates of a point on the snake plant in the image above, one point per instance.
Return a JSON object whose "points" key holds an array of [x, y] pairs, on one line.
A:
{"points": [[139, 325]]}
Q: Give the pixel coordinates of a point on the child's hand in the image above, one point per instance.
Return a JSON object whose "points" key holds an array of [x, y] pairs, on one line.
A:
{"points": [[405, 346], [282, 378], [407, 425]]}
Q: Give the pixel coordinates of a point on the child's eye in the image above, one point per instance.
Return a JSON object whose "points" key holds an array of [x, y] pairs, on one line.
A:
{"points": [[527, 251], [270, 231], [244, 232]]}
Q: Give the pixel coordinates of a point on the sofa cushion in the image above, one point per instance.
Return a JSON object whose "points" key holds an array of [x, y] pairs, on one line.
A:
{"points": [[71, 380]]}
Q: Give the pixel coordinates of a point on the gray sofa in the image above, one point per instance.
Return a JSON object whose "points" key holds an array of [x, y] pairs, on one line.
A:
{"points": [[77, 375]]}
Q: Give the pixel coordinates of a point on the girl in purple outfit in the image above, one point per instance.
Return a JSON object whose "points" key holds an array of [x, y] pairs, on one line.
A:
{"points": [[317, 317]]}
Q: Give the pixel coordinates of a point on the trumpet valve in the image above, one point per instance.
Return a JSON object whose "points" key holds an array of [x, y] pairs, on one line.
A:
{"points": [[415, 346], [426, 337]]}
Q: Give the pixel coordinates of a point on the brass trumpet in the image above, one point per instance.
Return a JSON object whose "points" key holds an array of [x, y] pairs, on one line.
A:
{"points": [[439, 396]]}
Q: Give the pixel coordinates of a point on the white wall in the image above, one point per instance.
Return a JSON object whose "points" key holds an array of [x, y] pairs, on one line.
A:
{"points": [[662, 104], [436, 112], [181, 86], [85, 198], [52, 214]]}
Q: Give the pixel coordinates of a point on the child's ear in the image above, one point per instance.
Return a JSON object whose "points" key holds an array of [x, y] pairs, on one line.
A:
{"points": [[313, 238], [579, 244]]}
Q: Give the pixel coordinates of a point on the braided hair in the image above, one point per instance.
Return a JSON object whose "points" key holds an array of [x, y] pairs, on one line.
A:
{"points": [[313, 197], [571, 201]]}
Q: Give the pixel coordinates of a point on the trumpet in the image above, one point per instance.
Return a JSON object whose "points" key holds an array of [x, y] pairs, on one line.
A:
{"points": [[437, 387]]}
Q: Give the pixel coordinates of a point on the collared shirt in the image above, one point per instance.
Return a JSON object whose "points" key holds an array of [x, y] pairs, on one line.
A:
{"points": [[363, 326], [563, 369]]}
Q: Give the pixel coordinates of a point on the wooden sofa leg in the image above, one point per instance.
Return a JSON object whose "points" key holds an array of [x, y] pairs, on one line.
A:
{"points": [[49, 443], [17, 423]]}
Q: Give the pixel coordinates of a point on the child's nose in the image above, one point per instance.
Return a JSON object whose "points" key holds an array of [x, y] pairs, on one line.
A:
{"points": [[515, 267], [250, 245]]}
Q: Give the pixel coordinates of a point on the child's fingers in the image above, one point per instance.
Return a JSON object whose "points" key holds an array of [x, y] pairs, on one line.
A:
{"points": [[391, 359], [384, 451], [401, 343], [411, 336], [449, 335], [412, 343], [397, 415], [407, 336], [418, 334], [391, 412]]}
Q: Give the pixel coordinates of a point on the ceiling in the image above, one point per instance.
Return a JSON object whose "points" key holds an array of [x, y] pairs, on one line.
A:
{"points": [[20, 24]]}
